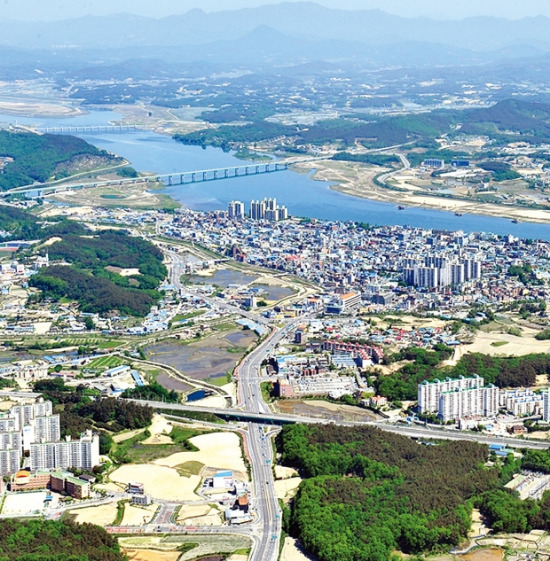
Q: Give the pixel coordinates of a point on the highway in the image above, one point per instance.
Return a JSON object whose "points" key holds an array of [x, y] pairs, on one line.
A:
{"points": [[260, 415], [260, 452], [265, 531]]}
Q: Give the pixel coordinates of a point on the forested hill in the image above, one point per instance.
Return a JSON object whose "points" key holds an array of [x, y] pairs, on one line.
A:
{"points": [[18, 224], [46, 540], [505, 121], [30, 158], [93, 278], [367, 492]]}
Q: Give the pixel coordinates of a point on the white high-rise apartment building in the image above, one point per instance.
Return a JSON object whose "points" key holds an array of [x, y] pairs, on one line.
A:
{"points": [[47, 429], [458, 399], [82, 453], [10, 461], [430, 392], [235, 210]]}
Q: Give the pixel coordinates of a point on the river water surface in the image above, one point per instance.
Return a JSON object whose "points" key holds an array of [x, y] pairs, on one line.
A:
{"points": [[149, 151]]}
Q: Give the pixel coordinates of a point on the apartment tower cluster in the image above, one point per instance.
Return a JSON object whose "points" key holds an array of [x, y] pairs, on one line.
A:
{"points": [[436, 271], [458, 399], [33, 428], [259, 210]]}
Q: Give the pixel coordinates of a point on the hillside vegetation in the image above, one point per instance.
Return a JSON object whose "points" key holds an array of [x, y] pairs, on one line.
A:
{"points": [[36, 157], [92, 282], [47, 540], [369, 492]]}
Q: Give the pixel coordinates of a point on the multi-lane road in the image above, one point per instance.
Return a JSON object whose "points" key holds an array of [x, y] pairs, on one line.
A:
{"points": [[266, 529]]}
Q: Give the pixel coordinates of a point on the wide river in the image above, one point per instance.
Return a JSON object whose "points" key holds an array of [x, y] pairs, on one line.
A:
{"points": [[149, 151]]}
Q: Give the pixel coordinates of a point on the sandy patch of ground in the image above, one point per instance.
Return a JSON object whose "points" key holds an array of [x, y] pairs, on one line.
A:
{"points": [[515, 346], [111, 487], [220, 450], [160, 481], [5, 405], [236, 557], [42, 327], [160, 429], [51, 241], [283, 472], [358, 181], [33, 109], [537, 435], [137, 515], [212, 518], [286, 488], [103, 515], [192, 511], [231, 389], [151, 555], [126, 435], [292, 552]]}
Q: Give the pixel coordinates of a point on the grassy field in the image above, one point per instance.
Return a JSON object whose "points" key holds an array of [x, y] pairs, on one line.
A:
{"points": [[189, 468], [208, 545], [132, 450], [106, 362]]}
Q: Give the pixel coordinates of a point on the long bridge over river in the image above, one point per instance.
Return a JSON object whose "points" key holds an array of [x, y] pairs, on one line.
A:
{"points": [[66, 129], [174, 178]]}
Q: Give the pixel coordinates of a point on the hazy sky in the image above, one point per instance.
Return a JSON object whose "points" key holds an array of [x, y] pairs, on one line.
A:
{"points": [[441, 9]]}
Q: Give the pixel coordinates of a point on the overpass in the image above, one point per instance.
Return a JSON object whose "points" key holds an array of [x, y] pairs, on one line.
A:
{"points": [[417, 432]]}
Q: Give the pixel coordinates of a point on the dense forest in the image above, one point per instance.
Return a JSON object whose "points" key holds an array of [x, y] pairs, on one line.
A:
{"points": [[48, 540], [35, 157], [503, 372], [93, 279], [18, 224], [80, 410], [152, 392], [367, 492]]}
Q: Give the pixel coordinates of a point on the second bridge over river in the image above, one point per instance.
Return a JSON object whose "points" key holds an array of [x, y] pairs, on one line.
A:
{"points": [[174, 178]]}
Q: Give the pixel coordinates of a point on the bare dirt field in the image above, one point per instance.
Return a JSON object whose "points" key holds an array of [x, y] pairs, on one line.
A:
{"points": [[103, 515], [126, 435], [160, 429], [220, 450], [207, 545], [160, 481], [150, 555], [36, 109], [324, 409], [514, 346], [208, 516], [283, 472], [139, 195], [285, 489], [293, 552], [137, 515]]}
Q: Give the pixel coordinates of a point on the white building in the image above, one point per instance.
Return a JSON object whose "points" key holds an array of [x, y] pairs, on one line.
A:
{"points": [[235, 210], [82, 453], [468, 402], [522, 402], [47, 429], [430, 392], [10, 440], [10, 461]]}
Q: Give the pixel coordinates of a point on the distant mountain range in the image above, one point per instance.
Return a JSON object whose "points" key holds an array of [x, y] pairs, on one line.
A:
{"points": [[283, 33]]}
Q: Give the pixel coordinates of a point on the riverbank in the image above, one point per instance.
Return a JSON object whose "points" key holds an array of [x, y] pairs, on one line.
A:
{"points": [[359, 181]]}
